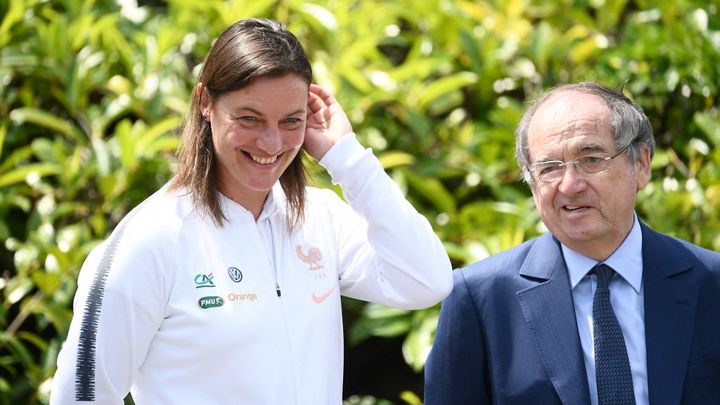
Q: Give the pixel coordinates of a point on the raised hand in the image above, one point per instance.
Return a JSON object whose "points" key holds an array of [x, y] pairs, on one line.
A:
{"points": [[326, 122]]}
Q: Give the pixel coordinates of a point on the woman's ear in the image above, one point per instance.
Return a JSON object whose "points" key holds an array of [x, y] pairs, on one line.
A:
{"points": [[203, 100]]}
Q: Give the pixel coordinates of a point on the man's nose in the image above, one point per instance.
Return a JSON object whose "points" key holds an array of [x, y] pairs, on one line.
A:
{"points": [[572, 180]]}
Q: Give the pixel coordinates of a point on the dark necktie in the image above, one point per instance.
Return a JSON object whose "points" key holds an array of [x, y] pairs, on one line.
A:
{"points": [[612, 368]]}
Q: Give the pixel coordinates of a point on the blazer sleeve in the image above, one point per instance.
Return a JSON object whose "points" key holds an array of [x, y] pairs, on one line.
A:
{"points": [[456, 369]]}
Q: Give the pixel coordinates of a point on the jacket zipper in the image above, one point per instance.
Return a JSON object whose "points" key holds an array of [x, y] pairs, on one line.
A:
{"points": [[274, 255], [274, 259]]}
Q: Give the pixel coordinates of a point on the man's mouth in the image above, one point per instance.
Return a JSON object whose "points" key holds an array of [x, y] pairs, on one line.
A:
{"points": [[572, 208]]}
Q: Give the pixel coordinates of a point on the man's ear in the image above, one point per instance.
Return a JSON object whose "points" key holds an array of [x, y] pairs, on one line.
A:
{"points": [[643, 167]]}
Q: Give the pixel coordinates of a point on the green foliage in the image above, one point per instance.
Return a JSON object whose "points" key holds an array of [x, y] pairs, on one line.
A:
{"points": [[92, 92]]}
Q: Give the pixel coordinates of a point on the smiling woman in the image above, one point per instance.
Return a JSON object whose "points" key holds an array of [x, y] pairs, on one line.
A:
{"points": [[256, 135], [235, 260], [245, 53]]}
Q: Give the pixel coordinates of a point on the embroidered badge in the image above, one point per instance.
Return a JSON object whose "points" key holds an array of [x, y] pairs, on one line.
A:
{"points": [[210, 302], [204, 280], [235, 274], [312, 257]]}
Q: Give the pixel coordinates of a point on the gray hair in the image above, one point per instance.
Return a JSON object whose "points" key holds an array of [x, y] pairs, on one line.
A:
{"points": [[629, 123]]}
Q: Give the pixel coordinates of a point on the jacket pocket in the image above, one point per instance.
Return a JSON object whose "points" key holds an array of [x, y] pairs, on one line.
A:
{"points": [[705, 368]]}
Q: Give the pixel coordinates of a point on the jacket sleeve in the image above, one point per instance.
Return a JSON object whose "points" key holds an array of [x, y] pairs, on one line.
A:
{"points": [[456, 369], [387, 252], [117, 310]]}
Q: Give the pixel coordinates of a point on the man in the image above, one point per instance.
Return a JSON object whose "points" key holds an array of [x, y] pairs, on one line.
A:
{"points": [[534, 325]]}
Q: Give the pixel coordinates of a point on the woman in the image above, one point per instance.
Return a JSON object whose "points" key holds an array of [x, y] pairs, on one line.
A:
{"points": [[224, 286]]}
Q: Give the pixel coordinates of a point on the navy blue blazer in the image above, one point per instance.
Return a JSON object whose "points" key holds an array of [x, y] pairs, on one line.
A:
{"points": [[507, 333]]}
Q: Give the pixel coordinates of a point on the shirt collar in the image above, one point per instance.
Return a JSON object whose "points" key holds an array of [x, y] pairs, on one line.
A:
{"points": [[626, 260], [275, 197]]}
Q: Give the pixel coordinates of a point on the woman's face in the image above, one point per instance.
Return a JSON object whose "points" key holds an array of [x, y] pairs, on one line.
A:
{"points": [[256, 131]]}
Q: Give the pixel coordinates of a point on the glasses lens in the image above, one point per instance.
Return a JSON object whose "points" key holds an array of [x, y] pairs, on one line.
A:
{"points": [[593, 163], [548, 171]]}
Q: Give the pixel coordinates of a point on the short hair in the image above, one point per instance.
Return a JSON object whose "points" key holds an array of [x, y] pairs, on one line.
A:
{"points": [[246, 50], [628, 122]]}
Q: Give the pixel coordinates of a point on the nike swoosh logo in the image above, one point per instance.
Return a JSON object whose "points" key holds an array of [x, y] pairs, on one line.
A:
{"points": [[320, 298]]}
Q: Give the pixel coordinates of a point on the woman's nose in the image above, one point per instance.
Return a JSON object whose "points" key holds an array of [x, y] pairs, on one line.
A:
{"points": [[270, 142]]}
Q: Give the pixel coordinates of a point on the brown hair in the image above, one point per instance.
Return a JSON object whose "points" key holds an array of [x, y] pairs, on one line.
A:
{"points": [[247, 49]]}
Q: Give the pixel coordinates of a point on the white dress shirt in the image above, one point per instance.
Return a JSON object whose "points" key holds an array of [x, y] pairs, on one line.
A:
{"points": [[626, 297]]}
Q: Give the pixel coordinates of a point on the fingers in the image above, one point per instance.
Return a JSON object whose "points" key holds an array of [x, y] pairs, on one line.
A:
{"points": [[318, 119], [319, 91], [320, 97], [325, 113], [318, 106], [315, 104]]}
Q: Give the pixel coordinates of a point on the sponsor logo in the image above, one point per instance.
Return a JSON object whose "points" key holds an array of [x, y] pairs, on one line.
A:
{"points": [[211, 302], [242, 297], [204, 280], [322, 297], [235, 274], [312, 257]]}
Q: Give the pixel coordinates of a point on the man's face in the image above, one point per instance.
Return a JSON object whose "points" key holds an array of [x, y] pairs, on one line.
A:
{"points": [[590, 213]]}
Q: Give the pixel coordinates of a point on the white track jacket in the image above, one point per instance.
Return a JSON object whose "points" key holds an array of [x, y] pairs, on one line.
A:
{"points": [[177, 310]]}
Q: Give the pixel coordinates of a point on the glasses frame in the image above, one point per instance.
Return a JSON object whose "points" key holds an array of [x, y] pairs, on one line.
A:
{"points": [[533, 167]]}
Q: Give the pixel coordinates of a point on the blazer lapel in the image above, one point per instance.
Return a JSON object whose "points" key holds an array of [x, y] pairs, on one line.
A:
{"points": [[669, 317], [550, 314]]}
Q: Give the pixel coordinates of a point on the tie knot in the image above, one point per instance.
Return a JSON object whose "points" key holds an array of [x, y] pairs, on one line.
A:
{"points": [[604, 273]]}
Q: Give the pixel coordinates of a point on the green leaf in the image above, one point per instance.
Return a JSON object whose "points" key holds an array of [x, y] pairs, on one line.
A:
{"points": [[410, 398], [158, 136], [709, 126], [46, 282], [444, 86], [12, 17], [3, 132], [387, 321], [46, 120], [321, 14], [432, 190], [20, 352], [419, 340], [44, 149], [392, 159], [583, 50], [23, 173], [16, 158]]}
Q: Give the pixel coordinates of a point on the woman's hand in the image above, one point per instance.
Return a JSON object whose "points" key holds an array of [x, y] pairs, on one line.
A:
{"points": [[326, 122]]}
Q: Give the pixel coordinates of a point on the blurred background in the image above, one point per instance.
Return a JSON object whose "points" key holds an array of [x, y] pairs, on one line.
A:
{"points": [[92, 92]]}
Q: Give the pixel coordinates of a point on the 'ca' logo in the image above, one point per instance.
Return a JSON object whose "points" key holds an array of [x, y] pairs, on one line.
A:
{"points": [[204, 280]]}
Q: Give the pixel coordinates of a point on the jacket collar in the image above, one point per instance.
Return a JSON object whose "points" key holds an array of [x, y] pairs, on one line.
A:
{"points": [[273, 203], [550, 314], [670, 306]]}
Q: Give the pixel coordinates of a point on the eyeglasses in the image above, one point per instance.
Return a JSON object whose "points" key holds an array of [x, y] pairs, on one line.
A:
{"points": [[552, 170]]}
